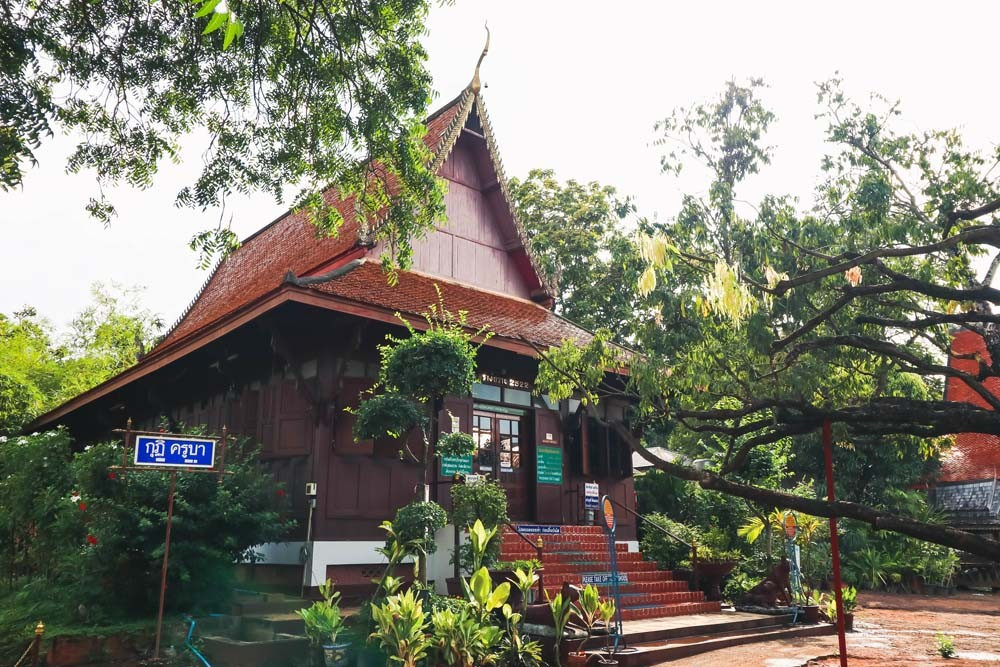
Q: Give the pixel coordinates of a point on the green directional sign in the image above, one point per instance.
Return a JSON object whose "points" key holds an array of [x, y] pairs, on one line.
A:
{"points": [[456, 465], [550, 465]]}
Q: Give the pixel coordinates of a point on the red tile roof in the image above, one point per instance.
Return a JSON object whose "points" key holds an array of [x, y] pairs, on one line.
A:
{"points": [[506, 316], [290, 243], [975, 456]]}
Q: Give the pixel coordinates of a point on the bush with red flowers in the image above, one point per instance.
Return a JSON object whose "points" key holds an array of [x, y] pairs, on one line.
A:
{"points": [[85, 527]]}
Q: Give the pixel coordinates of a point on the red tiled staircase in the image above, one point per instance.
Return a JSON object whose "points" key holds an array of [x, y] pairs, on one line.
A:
{"points": [[578, 550]]}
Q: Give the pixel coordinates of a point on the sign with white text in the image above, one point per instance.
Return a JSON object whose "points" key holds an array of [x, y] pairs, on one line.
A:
{"points": [[605, 578], [174, 451], [539, 530], [591, 496]]}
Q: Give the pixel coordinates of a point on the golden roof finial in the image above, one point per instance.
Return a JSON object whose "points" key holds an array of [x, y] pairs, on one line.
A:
{"points": [[476, 84]]}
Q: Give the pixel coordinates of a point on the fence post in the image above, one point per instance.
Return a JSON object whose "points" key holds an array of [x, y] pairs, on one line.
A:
{"points": [[36, 647]]}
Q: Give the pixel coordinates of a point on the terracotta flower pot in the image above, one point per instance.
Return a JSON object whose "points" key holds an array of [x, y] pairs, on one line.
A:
{"points": [[810, 613], [578, 659]]}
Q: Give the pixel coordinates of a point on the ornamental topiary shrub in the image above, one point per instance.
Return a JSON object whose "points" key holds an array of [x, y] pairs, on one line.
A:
{"points": [[417, 522]]}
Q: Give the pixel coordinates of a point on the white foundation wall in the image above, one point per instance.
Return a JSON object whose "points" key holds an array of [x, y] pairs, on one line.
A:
{"points": [[363, 552]]}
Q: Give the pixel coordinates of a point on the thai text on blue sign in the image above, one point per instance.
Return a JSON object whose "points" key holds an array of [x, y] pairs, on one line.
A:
{"points": [[540, 530], [175, 451], [604, 578], [591, 496]]}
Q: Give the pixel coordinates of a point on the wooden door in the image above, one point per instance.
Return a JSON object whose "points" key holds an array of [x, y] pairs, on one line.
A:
{"points": [[501, 448]]}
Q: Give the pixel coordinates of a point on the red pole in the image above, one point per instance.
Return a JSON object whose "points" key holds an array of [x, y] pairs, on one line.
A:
{"points": [[166, 558], [834, 545]]}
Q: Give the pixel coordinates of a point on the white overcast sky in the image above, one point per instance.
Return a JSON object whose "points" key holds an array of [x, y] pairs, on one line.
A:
{"points": [[575, 86]]}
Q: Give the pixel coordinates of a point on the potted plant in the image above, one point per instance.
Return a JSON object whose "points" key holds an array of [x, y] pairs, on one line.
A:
{"points": [[849, 595], [712, 567], [590, 610], [606, 612], [561, 610], [508, 571], [808, 603], [323, 623]]}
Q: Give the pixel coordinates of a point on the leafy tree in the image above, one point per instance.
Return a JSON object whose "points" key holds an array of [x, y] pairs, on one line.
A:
{"points": [[287, 94], [40, 369], [805, 317], [578, 233]]}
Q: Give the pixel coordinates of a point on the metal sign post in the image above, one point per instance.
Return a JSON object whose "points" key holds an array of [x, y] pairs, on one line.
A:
{"points": [[792, 553], [169, 452], [834, 544], [610, 523]]}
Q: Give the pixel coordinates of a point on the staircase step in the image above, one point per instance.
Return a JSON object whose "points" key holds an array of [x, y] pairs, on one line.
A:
{"points": [[659, 611], [658, 652], [670, 586]]}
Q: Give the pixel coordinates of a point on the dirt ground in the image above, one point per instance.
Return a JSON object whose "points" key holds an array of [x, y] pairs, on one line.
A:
{"points": [[889, 631]]}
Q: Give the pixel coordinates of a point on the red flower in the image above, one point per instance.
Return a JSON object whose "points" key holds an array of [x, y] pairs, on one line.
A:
{"points": [[91, 540], [83, 506], [281, 493], [111, 475]]}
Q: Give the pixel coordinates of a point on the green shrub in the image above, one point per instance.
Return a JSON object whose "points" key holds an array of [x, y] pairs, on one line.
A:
{"points": [[387, 415], [101, 534], [665, 550], [484, 501], [417, 522]]}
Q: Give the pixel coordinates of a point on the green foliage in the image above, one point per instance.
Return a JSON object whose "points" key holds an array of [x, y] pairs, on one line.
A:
{"points": [[322, 619], [460, 638], [945, 645], [455, 444], [665, 550], [40, 369], [400, 624], [387, 415], [577, 234], [431, 364], [484, 502], [417, 522], [299, 95], [562, 609], [102, 533], [484, 598]]}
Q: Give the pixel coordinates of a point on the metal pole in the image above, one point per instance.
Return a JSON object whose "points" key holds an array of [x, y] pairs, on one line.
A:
{"points": [[166, 558], [834, 545]]}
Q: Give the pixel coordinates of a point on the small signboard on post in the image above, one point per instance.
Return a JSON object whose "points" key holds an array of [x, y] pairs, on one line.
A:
{"points": [[173, 453], [591, 496], [610, 524]]}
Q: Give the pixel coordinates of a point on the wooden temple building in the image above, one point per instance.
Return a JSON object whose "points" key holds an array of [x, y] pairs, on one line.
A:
{"points": [[278, 359]]}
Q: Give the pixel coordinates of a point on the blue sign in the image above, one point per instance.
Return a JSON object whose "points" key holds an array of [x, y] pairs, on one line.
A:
{"points": [[174, 451], [539, 530], [605, 578], [591, 496]]}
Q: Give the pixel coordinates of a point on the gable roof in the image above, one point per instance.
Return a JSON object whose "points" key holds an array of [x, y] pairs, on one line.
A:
{"points": [[264, 273], [290, 243]]}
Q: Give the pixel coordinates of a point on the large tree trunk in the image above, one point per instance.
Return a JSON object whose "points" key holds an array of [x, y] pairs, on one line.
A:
{"points": [[878, 519]]}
